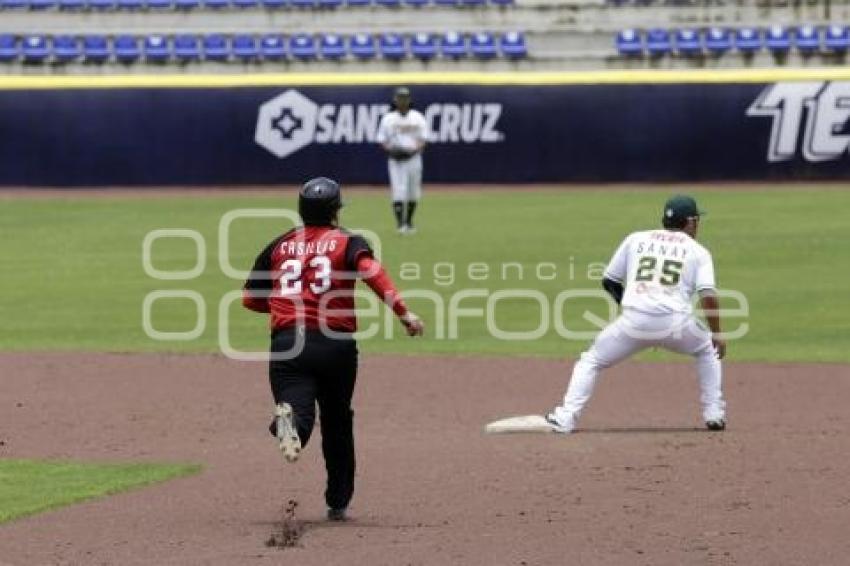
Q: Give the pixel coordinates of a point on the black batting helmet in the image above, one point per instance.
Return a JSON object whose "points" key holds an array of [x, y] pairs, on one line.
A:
{"points": [[319, 201]]}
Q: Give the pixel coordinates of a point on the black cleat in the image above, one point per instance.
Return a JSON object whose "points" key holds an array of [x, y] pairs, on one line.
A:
{"points": [[337, 515], [716, 424]]}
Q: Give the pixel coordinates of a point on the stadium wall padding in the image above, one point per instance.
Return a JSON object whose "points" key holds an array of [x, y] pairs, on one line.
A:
{"points": [[483, 133]]}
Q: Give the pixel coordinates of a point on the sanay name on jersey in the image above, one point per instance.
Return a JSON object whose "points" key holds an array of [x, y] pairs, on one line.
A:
{"points": [[661, 271]]}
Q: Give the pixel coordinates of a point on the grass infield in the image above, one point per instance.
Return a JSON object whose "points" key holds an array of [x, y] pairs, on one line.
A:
{"points": [[73, 276], [31, 486]]}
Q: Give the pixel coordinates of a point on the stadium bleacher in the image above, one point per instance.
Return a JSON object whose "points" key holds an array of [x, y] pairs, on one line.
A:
{"points": [[407, 34], [187, 48], [776, 39]]}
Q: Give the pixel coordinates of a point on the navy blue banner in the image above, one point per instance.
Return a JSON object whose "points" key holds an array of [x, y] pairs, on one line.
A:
{"points": [[481, 134]]}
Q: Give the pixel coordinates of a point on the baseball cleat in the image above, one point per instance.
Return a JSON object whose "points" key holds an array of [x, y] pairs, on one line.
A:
{"points": [[287, 435], [557, 427], [715, 424], [337, 515]]}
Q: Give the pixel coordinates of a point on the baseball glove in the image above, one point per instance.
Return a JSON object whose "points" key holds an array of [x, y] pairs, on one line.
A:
{"points": [[400, 154]]}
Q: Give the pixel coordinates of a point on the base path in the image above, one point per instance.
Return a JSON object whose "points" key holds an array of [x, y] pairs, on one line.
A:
{"points": [[642, 483]]}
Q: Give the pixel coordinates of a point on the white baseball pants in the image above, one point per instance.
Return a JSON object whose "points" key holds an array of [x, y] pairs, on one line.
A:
{"points": [[632, 332], [406, 179]]}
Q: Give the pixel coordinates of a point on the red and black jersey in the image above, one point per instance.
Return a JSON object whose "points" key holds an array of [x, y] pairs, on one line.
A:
{"points": [[306, 277]]}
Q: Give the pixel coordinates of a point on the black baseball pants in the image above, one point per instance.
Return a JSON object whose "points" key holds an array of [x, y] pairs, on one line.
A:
{"points": [[323, 373]]}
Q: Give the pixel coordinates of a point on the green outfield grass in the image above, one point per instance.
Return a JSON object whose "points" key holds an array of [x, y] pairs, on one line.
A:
{"points": [[73, 277], [31, 486]]}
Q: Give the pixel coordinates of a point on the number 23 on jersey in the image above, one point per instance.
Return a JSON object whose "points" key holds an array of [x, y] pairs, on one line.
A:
{"points": [[291, 279]]}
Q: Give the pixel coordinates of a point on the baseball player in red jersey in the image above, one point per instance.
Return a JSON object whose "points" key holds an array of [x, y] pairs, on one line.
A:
{"points": [[305, 280]]}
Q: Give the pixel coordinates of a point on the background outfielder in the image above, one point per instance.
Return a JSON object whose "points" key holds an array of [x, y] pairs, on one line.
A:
{"points": [[403, 133], [654, 274]]}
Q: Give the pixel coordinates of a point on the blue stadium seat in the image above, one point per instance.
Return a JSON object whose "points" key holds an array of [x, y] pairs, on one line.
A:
{"points": [[417, 3], [273, 4], [807, 39], [303, 47], [216, 4], [512, 45], [453, 45], [423, 46], [332, 4], [502, 2], [43, 4], [362, 46], [331, 46], [131, 4], [34, 48], [187, 4], [8, 47], [658, 42], [66, 48], [95, 49], [160, 4], [187, 48], [392, 46], [629, 42], [483, 45], [156, 49], [272, 47], [473, 3], [778, 39], [447, 2], [837, 39], [102, 4], [215, 47], [245, 47], [748, 40], [245, 4], [718, 40], [388, 3], [304, 3], [688, 43], [13, 4], [72, 5], [126, 48], [358, 3]]}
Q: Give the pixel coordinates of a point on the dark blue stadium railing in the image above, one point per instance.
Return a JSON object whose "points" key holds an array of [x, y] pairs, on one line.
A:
{"points": [[187, 48], [141, 5]]}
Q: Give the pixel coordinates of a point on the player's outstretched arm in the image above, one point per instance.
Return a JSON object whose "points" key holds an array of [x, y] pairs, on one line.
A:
{"points": [[374, 275], [711, 308]]}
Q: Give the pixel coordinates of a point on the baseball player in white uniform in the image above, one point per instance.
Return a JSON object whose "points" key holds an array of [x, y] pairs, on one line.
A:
{"points": [[403, 134], [654, 275]]}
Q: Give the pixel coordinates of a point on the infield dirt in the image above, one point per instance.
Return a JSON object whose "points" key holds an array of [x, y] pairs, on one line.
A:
{"points": [[642, 483]]}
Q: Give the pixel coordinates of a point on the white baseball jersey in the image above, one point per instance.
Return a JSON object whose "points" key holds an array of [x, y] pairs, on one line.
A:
{"points": [[661, 270], [403, 132]]}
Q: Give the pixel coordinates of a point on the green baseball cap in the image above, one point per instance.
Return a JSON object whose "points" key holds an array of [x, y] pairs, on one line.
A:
{"points": [[681, 207]]}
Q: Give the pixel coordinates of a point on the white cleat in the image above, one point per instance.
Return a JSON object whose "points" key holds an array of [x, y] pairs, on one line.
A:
{"points": [[402, 229], [556, 426], [287, 435]]}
